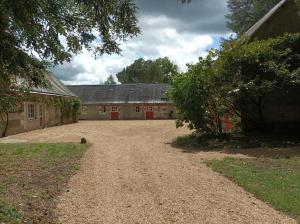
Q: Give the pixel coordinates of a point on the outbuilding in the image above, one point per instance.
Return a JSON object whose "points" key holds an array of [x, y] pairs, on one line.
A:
{"points": [[124, 102], [281, 108], [41, 108]]}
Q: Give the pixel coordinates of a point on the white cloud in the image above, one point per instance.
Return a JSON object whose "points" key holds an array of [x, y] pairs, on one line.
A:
{"points": [[159, 39]]}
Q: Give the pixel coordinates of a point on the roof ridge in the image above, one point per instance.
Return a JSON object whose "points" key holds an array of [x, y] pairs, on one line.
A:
{"points": [[145, 92], [56, 87], [265, 18]]}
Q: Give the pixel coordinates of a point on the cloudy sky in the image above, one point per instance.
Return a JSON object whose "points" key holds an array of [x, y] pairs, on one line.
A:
{"points": [[183, 32]]}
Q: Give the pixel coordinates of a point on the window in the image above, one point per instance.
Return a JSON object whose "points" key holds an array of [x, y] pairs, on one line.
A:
{"points": [[102, 109], [137, 109], [149, 108], [114, 109], [31, 111], [84, 110]]}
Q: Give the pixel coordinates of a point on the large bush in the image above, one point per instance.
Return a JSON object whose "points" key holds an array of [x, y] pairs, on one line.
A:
{"points": [[196, 96], [252, 71], [243, 72]]}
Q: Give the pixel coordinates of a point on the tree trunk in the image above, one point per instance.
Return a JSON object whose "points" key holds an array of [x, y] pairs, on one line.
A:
{"points": [[260, 111], [262, 122], [5, 127], [252, 117]]}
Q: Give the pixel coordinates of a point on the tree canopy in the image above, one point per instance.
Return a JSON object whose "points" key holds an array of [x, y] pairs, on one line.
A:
{"points": [[54, 30], [160, 70], [243, 14]]}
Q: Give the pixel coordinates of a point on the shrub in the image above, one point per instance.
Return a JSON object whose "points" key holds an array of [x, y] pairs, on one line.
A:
{"points": [[242, 72], [252, 70], [196, 96]]}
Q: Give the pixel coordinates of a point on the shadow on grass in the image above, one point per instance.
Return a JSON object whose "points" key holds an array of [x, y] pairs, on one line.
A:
{"points": [[271, 146]]}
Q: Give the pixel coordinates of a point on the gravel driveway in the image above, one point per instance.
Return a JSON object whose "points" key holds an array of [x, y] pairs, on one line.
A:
{"points": [[131, 174]]}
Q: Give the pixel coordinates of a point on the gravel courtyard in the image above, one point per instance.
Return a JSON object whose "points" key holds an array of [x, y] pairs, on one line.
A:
{"points": [[132, 174]]}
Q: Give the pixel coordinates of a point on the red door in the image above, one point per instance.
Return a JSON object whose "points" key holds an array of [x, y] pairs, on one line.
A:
{"points": [[114, 116], [149, 115], [227, 123]]}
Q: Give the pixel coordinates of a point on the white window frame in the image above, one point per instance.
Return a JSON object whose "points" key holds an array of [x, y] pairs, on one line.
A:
{"points": [[102, 109], [31, 111], [137, 109], [114, 109], [149, 108]]}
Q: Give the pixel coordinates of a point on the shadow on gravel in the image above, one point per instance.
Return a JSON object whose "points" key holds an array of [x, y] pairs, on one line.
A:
{"points": [[269, 146]]}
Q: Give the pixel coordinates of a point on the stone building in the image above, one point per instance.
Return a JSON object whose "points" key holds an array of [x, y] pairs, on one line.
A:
{"points": [[124, 102], [281, 109], [37, 112]]}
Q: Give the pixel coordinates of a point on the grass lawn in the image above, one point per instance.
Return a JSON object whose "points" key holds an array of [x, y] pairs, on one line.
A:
{"points": [[31, 176], [273, 180], [273, 175]]}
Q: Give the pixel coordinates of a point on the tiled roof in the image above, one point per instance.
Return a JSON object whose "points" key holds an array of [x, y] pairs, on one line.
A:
{"points": [[126, 93], [267, 17], [56, 87]]}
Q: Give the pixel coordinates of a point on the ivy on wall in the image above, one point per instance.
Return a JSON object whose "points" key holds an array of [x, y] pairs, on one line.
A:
{"points": [[68, 106]]}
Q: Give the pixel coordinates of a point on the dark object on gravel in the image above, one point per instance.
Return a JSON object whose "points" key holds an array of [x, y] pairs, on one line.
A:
{"points": [[83, 141]]}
